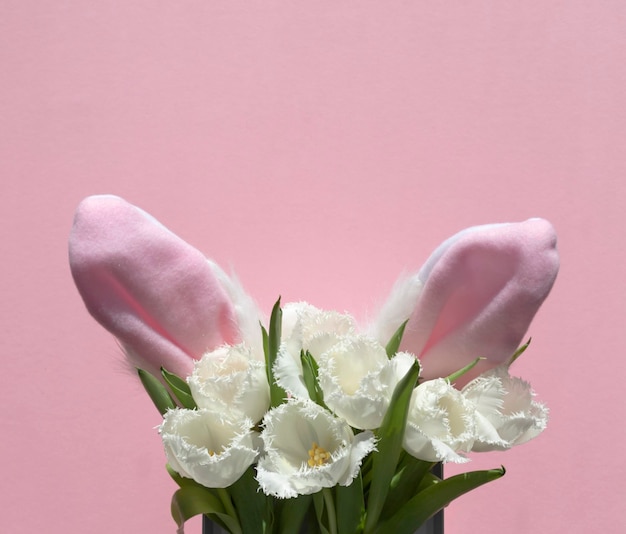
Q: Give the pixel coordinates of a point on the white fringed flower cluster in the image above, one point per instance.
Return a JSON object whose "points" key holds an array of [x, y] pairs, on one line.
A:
{"points": [[306, 444]]}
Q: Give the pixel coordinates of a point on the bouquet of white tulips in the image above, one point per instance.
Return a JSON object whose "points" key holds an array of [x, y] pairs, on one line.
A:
{"points": [[311, 424]]}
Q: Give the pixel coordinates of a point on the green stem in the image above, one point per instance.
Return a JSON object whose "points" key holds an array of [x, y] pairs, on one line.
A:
{"points": [[366, 471], [330, 510], [229, 508]]}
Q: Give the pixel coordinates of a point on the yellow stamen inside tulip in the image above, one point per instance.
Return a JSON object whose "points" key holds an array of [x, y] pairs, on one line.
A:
{"points": [[317, 456]]}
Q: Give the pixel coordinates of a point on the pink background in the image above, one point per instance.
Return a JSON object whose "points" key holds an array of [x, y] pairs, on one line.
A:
{"points": [[319, 148]]}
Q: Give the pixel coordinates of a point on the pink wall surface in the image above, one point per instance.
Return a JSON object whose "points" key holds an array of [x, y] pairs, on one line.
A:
{"points": [[319, 149]]}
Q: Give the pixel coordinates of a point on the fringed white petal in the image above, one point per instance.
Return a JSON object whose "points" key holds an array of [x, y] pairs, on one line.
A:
{"points": [[306, 328], [208, 447], [288, 373], [506, 413], [358, 380], [230, 379], [293, 429], [441, 423]]}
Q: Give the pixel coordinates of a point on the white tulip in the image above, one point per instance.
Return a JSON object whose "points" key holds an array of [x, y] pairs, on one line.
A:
{"points": [[307, 449], [358, 380], [313, 329], [440, 425], [211, 448], [506, 414], [231, 379], [305, 327]]}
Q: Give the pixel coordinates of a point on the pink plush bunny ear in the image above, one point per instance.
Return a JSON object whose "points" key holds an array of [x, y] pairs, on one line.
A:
{"points": [[162, 299], [475, 297]]}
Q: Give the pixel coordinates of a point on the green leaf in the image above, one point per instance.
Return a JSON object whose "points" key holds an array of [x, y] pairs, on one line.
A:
{"points": [[271, 505], [309, 373], [437, 495], [457, 374], [318, 502], [350, 506], [275, 330], [190, 501], [185, 482], [519, 352], [266, 342], [180, 480], [405, 483], [394, 343], [250, 503], [292, 513], [157, 391], [180, 389], [391, 435], [271, 344]]}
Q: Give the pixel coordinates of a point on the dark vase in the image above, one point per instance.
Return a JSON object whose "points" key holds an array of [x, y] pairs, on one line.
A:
{"points": [[433, 526]]}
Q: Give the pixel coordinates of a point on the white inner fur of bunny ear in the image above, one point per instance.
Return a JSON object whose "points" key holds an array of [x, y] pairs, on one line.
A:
{"points": [[246, 310], [397, 309]]}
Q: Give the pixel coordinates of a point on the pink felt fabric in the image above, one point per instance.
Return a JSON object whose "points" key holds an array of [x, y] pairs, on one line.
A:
{"points": [[154, 292], [481, 289]]}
